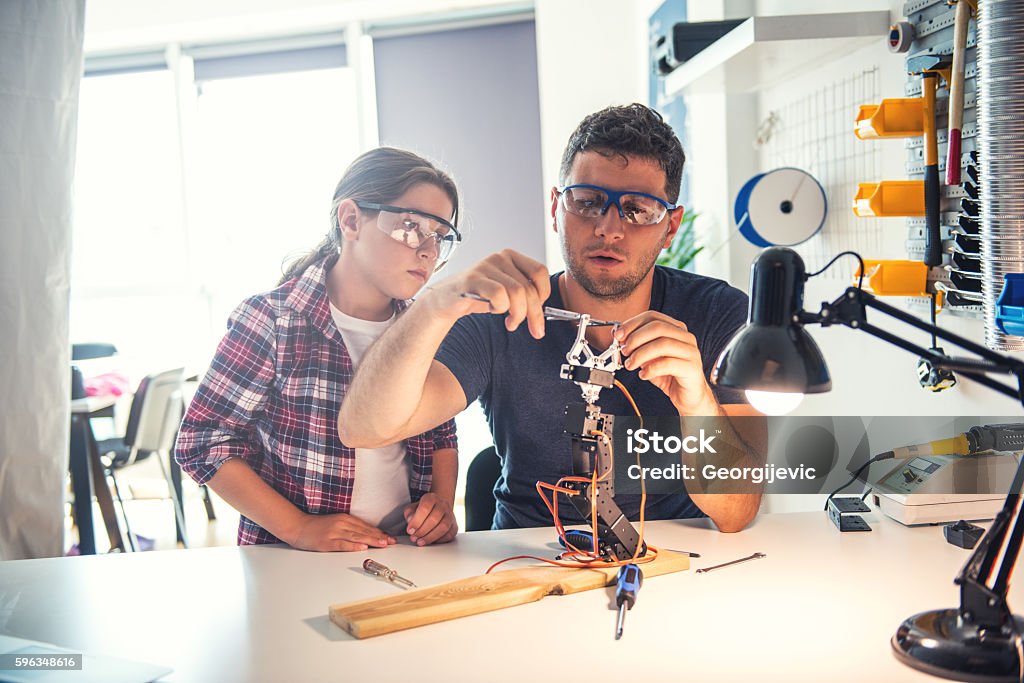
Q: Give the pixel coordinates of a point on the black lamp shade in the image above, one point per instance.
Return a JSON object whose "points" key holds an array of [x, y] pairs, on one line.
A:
{"points": [[773, 351]]}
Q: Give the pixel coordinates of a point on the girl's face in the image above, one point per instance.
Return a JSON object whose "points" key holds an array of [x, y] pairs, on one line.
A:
{"points": [[380, 245]]}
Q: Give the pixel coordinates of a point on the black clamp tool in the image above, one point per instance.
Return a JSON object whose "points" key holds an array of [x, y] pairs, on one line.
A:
{"points": [[844, 513], [963, 534]]}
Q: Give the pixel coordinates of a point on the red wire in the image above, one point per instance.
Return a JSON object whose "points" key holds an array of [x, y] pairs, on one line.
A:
{"points": [[552, 506]]}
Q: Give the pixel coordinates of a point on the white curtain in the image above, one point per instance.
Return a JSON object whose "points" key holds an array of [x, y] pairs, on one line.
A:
{"points": [[40, 72]]}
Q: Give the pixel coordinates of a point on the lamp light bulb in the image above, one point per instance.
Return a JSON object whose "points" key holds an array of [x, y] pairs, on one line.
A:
{"points": [[774, 402]]}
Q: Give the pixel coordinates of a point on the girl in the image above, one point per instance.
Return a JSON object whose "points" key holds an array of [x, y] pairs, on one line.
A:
{"points": [[262, 428]]}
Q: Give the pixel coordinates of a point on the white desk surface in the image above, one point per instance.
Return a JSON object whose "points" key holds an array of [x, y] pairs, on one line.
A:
{"points": [[821, 606], [91, 404]]}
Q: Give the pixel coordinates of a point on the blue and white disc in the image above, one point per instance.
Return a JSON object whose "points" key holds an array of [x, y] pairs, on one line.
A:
{"points": [[782, 208]]}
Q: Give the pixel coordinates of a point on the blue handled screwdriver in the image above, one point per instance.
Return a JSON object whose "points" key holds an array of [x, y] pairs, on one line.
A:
{"points": [[628, 585]]}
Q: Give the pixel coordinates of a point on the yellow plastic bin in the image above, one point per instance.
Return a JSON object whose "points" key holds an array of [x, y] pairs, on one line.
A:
{"points": [[893, 118], [895, 277], [889, 198]]}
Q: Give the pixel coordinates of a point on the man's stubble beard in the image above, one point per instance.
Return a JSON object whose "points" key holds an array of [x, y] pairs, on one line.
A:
{"points": [[611, 288]]}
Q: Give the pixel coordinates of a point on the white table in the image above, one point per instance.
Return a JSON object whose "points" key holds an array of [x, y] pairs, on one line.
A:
{"points": [[821, 606], [91, 404]]}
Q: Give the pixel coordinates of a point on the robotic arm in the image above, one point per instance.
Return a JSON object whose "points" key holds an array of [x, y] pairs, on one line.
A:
{"points": [[591, 434]]}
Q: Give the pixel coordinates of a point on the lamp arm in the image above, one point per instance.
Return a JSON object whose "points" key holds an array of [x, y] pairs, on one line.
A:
{"points": [[1009, 364], [980, 603], [850, 309]]}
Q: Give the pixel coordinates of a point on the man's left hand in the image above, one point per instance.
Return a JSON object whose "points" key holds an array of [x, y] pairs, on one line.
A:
{"points": [[667, 355]]}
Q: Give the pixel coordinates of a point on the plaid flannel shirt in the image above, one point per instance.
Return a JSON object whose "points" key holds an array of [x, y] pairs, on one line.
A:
{"points": [[271, 397]]}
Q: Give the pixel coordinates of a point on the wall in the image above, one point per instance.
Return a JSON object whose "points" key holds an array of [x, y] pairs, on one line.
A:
{"points": [[485, 130], [869, 376], [586, 60], [884, 380], [718, 129]]}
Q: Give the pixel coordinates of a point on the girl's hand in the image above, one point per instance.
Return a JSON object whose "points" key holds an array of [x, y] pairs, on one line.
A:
{"points": [[331, 533], [431, 520]]}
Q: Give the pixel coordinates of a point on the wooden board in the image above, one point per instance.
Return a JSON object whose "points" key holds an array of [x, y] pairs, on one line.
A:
{"points": [[477, 594]]}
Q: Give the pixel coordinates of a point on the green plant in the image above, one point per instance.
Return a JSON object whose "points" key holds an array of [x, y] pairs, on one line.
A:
{"points": [[684, 247]]}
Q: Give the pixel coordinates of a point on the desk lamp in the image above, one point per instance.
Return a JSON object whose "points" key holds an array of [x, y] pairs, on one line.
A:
{"points": [[773, 356]]}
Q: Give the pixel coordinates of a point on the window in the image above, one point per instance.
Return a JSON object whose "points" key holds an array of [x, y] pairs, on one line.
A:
{"points": [[270, 150], [189, 200], [128, 281]]}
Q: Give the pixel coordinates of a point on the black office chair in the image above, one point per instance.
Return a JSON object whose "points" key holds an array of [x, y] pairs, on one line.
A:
{"points": [[91, 350], [481, 476]]}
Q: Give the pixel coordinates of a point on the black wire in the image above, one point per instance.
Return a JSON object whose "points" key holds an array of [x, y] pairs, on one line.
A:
{"points": [[877, 458], [935, 341], [860, 280]]}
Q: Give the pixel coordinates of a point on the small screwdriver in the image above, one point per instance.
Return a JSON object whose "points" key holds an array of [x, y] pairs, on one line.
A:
{"points": [[550, 312], [628, 585], [377, 569]]}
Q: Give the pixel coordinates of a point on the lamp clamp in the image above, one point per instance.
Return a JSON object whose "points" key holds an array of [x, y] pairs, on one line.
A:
{"points": [[848, 309]]}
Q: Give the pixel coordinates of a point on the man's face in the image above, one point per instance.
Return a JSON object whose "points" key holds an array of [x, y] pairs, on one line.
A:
{"points": [[607, 255]]}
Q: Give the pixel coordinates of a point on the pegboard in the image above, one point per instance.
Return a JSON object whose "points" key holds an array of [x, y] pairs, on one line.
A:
{"points": [[813, 133]]}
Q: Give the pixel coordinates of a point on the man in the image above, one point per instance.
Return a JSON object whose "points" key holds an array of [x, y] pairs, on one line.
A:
{"points": [[614, 212]]}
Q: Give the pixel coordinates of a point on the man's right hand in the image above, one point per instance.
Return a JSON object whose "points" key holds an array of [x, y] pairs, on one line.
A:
{"points": [[400, 390], [331, 533], [514, 283]]}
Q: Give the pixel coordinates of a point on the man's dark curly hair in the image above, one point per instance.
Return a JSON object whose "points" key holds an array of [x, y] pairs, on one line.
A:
{"points": [[629, 131]]}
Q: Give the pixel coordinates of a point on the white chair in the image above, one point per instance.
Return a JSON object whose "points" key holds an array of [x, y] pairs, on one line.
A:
{"points": [[153, 421]]}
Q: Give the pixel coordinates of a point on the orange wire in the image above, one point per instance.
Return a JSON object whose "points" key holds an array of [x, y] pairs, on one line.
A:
{"points": [[552, 507], [593, 512], [653, 555], [622, 387]]}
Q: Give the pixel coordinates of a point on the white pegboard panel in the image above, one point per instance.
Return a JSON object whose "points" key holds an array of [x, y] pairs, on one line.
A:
{"points": [[929, 18], [918, 5], [969, 130], [933, 30], [930, 26], [814, 133]]}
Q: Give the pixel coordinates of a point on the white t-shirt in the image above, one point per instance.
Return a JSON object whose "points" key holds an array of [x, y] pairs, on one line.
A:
{"points": [[381, 487]]}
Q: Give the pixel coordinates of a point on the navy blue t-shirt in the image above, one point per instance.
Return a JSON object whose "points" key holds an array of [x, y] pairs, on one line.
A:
{"points": [[516, 378]]}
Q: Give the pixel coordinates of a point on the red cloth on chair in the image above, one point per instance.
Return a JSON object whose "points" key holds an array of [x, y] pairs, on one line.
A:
{"points": [[107, 384]]}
